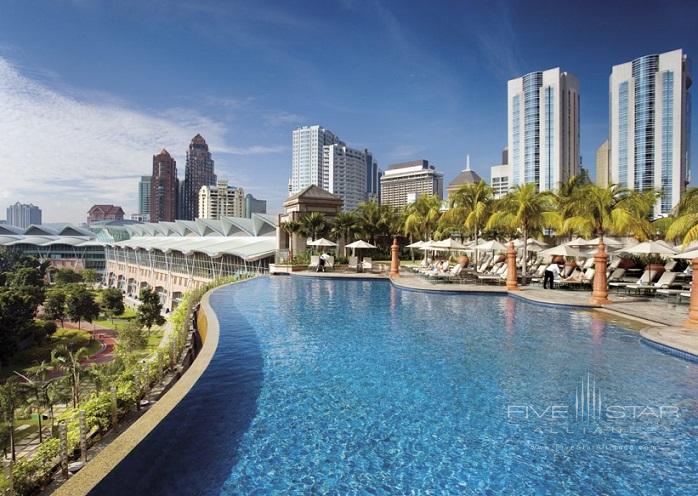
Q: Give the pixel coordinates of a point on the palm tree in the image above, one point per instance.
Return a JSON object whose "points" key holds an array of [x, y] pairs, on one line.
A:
{"points": [[10, 398], [369, 215], [344, 227], [593, 210], [527, 210], [471, 206], [37, 389], [313, 224], [422, 216], [685, 224], [292, 228], [69, 362]]}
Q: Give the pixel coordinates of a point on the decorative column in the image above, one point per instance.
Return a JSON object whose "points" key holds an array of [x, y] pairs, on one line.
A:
{"points": [[692, 321], [512, 284], [599, 295], [395, 259]]}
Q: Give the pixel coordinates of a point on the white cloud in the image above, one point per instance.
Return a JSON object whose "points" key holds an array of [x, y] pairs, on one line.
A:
{"points": [[65, 153]]}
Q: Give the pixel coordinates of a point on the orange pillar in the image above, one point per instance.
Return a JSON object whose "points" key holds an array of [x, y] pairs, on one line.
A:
{"points": [[395, 259], [599, 295], [692, 321], [512, 284]]}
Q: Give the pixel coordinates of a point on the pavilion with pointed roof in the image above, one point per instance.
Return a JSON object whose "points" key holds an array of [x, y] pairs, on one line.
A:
{"points": [[466, 176], [308, 200]]}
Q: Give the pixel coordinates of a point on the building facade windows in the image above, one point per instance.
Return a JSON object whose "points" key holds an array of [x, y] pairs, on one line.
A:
{"points": [[667, 139], [623, 134]]}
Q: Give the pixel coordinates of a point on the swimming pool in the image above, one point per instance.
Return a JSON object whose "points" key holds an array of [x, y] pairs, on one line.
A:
{"points": [[353, 387]]}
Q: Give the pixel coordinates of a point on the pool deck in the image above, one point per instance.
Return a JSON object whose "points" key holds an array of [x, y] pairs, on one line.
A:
{"points": [[662, 320]]}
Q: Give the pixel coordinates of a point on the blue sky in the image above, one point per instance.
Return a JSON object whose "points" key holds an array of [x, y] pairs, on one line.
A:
{"points": [[91, 90]]}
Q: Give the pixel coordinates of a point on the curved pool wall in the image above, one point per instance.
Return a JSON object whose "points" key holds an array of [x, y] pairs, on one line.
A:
{"points": [[336, 387]]}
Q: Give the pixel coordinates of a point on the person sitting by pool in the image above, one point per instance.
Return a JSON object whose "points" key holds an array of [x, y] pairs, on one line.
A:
{"points": [[321, 263], [552, 272], [576, 276]]}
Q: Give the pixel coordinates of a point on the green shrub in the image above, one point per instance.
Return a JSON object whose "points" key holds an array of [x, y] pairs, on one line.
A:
{"points": [[98, 411]]}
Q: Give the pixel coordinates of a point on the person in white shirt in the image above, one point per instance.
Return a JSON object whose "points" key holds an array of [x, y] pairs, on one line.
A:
{"points": [[551, 272]]}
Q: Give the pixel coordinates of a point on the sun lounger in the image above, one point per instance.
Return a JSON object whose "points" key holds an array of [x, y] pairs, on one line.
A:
{"points": [[644, 279], [367, 264], [616, 276], [314, 262], [664, 282], [353, 262], [579, 281], [329, 262]]}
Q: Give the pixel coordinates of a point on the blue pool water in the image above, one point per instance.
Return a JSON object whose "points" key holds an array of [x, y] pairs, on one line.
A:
{"points": [[352, 387]]}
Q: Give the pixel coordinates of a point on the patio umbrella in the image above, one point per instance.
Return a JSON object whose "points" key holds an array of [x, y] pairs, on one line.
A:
{"points": [[564, 250], [322, 242], [417, 244], [492, 245], [577, 242], [532, 244], [609, 242], [651, 248], [358, 245], [687, 255], [449, 244]]}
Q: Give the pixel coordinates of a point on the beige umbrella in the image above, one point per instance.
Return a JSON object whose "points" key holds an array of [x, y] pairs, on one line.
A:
{"points": [[687, 255], [577, 242], [562, 251], [449, 244], [492, 245], [322, 242]]}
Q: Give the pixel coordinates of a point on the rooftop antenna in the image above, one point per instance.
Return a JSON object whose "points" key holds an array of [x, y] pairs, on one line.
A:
{"points": [[467, 162]]}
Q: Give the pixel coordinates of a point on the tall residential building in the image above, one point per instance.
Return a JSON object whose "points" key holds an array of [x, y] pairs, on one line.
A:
{"points": [[402, 183], [543, 128], [221, 200], [307, 163], [164, 186], [650, 124], [373, 178], [346, 170], [197, 173], [254, 206], [144, 198], [23, 215], [603, 174]]}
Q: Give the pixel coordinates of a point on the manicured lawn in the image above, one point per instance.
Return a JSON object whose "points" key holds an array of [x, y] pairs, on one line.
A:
{"points": [[119, 321], [36, 354]]}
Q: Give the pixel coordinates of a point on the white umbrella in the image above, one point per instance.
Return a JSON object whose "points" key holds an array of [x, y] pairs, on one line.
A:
{"points": [[518, 243], [577, 242], [417, 244], [609, 242], [687, 255], [493, 245], [449, 244], [562, 250], [690, 246], [322, 242], [651, 248], [359, 244]]}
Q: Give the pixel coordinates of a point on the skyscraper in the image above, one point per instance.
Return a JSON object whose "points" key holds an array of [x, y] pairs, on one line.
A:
{"points": [[197, 173], [23, 215], [221, 200], [373, 178], [307, 163], [543, 128], [346, 170], [144, 198], [163, 188], [649, 125], [602, 170]]}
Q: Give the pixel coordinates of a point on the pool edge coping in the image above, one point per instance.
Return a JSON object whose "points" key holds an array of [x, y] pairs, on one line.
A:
{"points": [[116, 451]]}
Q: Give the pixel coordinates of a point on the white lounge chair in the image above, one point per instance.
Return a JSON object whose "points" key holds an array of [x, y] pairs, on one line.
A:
{"points": [[367, 264], [664, 282], [644, 279], [353, 263], [314, 262]]}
